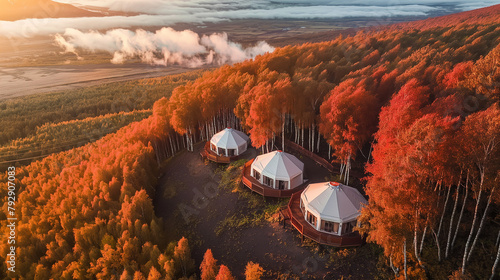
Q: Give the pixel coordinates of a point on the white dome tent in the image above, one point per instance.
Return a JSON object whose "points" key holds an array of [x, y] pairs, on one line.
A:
{"points": [[229, 142], [331, 207], [278, 170]]}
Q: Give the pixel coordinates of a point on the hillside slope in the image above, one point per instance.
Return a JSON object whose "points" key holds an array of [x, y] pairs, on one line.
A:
{"points": [[22, 9], [488, 15]]}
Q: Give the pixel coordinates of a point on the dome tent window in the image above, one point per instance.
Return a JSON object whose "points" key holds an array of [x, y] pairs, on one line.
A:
{"points": [[256, 174], [267, 181], [348, 227], [282, 185], [330, 226], [311, 219]]}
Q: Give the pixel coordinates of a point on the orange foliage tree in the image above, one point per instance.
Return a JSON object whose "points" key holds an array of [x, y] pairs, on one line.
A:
{"points": [[253, 271]]}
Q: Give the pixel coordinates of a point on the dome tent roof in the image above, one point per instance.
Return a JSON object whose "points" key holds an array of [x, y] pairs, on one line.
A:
{"points": [[278, 165], [229, 138], [333, 201]]}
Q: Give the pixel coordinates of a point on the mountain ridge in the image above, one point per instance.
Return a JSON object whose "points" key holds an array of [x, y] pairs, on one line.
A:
{"points": [[488, 15], [13, 10]]}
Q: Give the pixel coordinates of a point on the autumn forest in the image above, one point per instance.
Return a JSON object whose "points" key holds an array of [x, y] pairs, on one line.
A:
{"points": [[414, 108]]}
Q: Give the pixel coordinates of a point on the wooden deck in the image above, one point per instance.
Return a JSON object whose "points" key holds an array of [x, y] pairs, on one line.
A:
{"points": [[297, 220], [301, 150], [206, 153], [264, 190]]}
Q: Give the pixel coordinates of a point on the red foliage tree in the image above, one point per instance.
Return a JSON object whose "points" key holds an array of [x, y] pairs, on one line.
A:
{"points": [[224, 273], [208, 266], [348, 118]]}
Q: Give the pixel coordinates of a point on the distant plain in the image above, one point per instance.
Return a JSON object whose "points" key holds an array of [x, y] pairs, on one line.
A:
{"points": [[38, 65]]}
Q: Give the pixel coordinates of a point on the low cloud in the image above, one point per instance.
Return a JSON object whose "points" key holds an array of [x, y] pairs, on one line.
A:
{"points": [[28, 28], [166, 46], [327, 12]]}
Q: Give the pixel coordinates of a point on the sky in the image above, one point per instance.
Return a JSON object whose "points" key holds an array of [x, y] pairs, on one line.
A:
{"points": [[164, 13]]}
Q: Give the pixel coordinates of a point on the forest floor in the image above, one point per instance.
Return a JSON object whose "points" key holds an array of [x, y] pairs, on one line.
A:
{"points": [[194, 204]]}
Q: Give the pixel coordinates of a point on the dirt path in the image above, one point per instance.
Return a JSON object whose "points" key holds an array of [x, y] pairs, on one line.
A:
{"points": [[277, 249]]}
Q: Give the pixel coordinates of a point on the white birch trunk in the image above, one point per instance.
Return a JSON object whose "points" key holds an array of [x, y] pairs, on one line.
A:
{"points": [[481, 224], [448, 241], [272, 142], [187, 140], [415, 241], [444, 211], [404, 254], [394, 269], [188, 145], [497, 260], [317, 143], [348, 169], [461, 210], [423, 239], [214, 127], [313, 135], [172, 148], [296, 139], [369, 152], [302, 132], [193, 139], [283, 135], [309, 140], [437, 244], [207, 131], [466, 250]]}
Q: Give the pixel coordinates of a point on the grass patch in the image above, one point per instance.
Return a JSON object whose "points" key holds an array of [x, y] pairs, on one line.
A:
{"points": [[254, 208], [238, 221], [231, 176]]}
